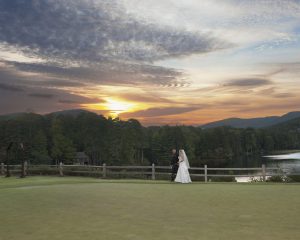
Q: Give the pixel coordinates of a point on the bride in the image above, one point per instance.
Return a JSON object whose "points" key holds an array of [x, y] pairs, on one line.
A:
{"points": [[183, 175]]}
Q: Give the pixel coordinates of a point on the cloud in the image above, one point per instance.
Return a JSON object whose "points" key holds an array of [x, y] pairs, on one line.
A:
{"points": [[277, 93], [272, 106], [248, 82], [44, 101], [60, 83], [41, 95], [144, 97], [25, 87], [66, 101], [268, 22], [86, 42], [155, 112], [12, 88], [238, 86], [56, 75], [94, 31], [286, 67], [284, 95], [232, 103]]}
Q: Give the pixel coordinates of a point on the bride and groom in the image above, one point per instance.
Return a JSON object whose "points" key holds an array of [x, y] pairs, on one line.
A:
{"points": [[180, 167]]}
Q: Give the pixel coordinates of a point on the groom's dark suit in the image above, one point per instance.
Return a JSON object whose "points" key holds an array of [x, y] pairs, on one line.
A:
{"points": [[174, 164]]}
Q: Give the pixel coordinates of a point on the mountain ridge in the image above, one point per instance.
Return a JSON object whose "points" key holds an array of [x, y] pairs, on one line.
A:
{"points": [[261, 122], [235, 122], [70, 112]]}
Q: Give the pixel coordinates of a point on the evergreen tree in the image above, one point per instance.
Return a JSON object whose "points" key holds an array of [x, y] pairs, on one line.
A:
{"points": [[62, 147], [39, 152]]}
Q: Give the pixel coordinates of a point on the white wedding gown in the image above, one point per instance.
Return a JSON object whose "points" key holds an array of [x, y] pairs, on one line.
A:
{"points": [[183, 175]]}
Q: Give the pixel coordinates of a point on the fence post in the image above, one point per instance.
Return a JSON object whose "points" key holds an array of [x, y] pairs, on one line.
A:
{"points": [[104, 170], [26, 168], [61, 169], [205, 172], [23, 169], [7, 163], [263, 167], [2, 168], [153, 171]]}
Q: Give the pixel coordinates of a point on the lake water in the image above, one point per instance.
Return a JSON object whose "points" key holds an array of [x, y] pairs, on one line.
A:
{"points": [[287, 163]]}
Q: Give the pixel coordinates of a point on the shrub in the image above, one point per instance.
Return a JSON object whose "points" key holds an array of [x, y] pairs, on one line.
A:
{"points": [[294, 178], [276, 178], [280, 178], [254, 179], [222, 179]]}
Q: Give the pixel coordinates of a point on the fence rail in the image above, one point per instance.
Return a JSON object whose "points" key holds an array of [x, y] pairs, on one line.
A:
{"points": [[152, 171]]}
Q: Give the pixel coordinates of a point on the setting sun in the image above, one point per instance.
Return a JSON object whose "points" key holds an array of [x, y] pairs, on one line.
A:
{"points": [[116, 107], [112, 107]]}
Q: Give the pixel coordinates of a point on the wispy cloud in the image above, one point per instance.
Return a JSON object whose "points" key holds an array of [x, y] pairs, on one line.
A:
{"points": [[284, 95], [8, 87], [155, 112], [66, 101], [105, 74], [41, 95], [145, 97], [94, 31], [247, 82]]}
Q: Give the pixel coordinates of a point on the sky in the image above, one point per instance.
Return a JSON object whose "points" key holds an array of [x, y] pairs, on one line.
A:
{"points": [[159, 61]]}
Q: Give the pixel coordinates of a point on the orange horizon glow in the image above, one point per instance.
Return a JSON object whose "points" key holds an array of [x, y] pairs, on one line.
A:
{"points": [[113, 107]]}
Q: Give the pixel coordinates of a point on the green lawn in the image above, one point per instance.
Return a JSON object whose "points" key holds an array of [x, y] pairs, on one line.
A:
{"points": [[39, 208]]}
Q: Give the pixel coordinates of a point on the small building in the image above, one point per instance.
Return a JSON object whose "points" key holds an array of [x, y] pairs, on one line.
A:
{"points": [[81, 159]]}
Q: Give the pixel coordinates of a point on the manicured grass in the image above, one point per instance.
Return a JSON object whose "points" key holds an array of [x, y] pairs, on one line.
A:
{"points": [[38, 208]]}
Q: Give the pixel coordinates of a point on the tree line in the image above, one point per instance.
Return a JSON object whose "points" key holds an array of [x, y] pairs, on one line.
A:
{"points": [[49, 139]]}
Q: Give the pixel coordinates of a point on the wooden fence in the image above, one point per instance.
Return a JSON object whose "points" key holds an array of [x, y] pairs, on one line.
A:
{"points": [[152, 172]]}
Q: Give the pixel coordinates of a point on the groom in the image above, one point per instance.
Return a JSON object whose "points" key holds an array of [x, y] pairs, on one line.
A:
{"points": [[174, 164]]}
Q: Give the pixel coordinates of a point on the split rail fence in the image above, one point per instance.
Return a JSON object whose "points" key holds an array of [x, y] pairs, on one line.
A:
{"points": [[151, 172]]}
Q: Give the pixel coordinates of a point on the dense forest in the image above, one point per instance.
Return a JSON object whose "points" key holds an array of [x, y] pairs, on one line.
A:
{"points": [[49, 139]]}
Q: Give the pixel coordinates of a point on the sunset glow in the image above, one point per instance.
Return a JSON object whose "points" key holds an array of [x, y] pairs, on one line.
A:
{"points": [[111, 107], [118, 107], [161, 62]]}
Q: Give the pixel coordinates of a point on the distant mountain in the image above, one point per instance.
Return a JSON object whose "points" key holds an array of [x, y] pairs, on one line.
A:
{"points": [[12, 115], [18, 115], [253, 122], [71, 112], [288, 126], [263, 122]]}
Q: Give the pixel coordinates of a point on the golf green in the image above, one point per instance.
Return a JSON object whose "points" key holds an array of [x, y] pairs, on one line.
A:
{"points": [[38, 208]]}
